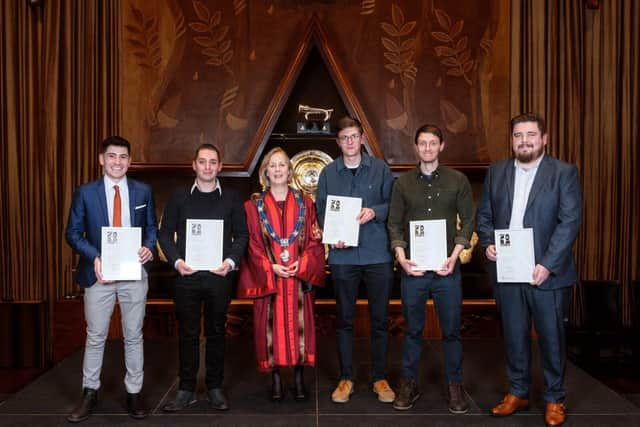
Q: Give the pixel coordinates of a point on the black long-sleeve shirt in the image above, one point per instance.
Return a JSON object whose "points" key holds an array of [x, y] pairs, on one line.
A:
{"points": [[190, 203]]}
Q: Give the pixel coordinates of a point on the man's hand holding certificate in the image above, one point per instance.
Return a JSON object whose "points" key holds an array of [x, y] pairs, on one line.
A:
{"points": [[120, 259], [341, 220], [428, 241], [515, 257], [204, 244]]}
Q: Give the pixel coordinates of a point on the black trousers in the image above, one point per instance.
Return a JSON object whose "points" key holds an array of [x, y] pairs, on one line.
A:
{"points": [[378, 279], [191, 293]]}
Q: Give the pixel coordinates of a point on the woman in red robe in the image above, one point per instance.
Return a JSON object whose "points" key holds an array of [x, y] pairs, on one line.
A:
{"points": [[284, 261]]}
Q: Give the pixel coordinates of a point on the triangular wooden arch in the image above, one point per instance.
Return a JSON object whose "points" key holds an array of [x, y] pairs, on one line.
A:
{"points": [[315, 35]]}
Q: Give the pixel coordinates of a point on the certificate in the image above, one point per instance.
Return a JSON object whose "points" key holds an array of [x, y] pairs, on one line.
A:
{"points": [[428, 243], [204, 243], [119, 253], [515, 255], [340, 220]]}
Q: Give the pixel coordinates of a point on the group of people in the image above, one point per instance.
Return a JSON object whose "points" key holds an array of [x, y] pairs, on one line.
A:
{"points": [[275, 240]]}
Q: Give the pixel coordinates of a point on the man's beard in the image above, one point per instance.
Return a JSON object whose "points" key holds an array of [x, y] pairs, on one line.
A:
{"points": [[530, 156]]}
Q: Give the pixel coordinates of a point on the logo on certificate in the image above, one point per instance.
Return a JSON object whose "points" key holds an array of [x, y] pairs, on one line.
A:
{"points": [[112, 237], [418, 230], [196, 229], [505, 240], [335, 206]]}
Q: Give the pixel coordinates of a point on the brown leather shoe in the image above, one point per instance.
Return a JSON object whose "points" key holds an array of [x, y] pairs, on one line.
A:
{"points": [[82, 411], [509, 405], [554, 414]]}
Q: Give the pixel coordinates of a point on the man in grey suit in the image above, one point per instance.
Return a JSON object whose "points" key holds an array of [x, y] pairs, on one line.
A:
{"points": [[117, 201], [533, 190]]}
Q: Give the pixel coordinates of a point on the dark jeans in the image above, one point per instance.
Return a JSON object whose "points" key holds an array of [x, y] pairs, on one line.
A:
{"points": [[378, 279], [191, 291], [519, 304], [446, 292]]}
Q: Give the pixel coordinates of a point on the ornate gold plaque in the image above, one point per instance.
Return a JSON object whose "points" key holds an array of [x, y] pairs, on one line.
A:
{"points": [[307, 166]]}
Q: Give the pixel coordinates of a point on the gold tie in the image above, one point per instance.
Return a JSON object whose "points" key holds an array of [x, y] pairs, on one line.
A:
{"points": [[117, 208]]}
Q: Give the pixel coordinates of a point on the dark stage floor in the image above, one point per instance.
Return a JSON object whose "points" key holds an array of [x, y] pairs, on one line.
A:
{"points": [[47, 400]]}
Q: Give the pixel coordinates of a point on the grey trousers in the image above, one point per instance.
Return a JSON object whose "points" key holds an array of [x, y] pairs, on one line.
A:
{"points": [[99, 301]]}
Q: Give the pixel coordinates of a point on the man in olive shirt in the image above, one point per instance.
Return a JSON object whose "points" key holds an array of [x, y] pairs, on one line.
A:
{"points": [[431, 191]]}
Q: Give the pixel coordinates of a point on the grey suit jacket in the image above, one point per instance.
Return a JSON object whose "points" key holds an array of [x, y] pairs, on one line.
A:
{"points": [[554, 211]]}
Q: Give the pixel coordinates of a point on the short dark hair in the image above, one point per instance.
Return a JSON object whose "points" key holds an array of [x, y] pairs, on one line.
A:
{"points": [[348, 122], [530, 117], [117, 141], [428, 128], [207, 146]]}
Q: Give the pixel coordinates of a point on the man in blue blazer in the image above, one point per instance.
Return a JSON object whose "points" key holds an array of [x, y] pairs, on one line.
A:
{"points": [[112, 201], [533, 190]]}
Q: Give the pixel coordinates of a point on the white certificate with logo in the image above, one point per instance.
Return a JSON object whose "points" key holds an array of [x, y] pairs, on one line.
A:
{"points": [[515, 255], [204, 243], [340, 220], [428, 243], [119, 253]]}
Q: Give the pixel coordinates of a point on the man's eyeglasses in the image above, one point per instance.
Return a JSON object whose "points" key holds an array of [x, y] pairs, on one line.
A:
{"points": [[352, 137]]}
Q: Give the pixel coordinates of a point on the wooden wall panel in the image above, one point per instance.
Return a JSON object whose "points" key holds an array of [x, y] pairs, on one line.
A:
{"points": [[207, 70]]}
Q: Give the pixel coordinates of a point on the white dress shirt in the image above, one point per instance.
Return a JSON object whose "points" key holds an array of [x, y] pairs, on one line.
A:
{"points": [[522, 187]]}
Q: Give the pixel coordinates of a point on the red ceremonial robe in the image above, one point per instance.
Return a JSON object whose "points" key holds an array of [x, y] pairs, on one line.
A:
{"points": [[283, 322]]}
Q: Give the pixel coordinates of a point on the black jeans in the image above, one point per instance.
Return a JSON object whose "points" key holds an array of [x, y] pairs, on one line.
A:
{"points": [[378, 279], [191, 291]]}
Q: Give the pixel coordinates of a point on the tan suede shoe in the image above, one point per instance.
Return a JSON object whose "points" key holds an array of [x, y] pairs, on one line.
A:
{"points": [[384, 391], [343, 392]]}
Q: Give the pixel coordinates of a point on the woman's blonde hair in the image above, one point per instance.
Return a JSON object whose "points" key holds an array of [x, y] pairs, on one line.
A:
{"points": [[264, 180]]}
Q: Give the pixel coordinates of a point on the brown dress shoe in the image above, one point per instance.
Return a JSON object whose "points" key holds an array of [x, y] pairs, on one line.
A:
{"points": [[86, 405], [509, 405], [554, 414]]}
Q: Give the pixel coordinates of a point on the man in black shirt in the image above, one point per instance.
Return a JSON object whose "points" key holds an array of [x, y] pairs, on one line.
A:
{"points": [[202, 200]]}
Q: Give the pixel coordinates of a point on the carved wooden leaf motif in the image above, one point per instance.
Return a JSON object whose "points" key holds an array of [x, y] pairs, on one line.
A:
{"points": [[228, 97], [180, 27], [220, 33], [457, 28], [486, 45], [199, 27], [394, 68], [215, 19], [462, 44], [227, 57], [367, 7], [440, 36], [406, 28], [457, 55], [399, 53], [408, 44], [239, 6], [143, 39], [201, 10], [389, 29], [390, 45], [204, 41], [400, 56], [397, 16], [391, 56], [211, 36], [443, 19], [137, 14]]}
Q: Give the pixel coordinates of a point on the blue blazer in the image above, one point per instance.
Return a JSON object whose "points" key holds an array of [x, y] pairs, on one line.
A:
{"points": [[554, 211], [89, 213]]}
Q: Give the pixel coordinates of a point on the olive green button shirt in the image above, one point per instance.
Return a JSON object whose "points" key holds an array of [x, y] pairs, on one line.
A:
{"points": [[415, 197]]}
